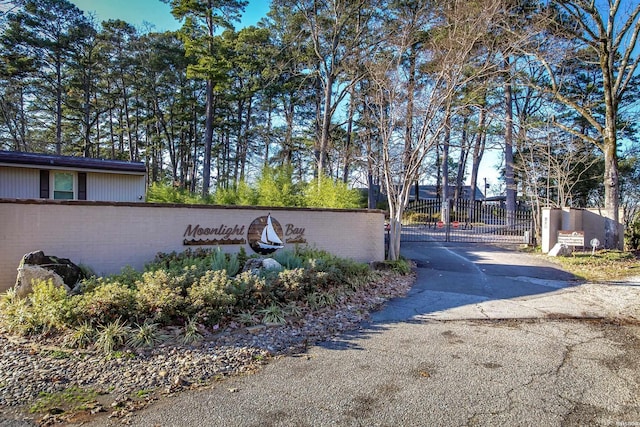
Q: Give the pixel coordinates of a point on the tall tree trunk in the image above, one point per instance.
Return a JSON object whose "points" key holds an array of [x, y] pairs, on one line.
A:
{"points": [[610, 148], [58, 105], [86, 111], [208, 140], [347, 148], [245, 139], [408, 127], [267, 136], [508, 147], [611, 190], [325, 126], [444, 214], [478, 152], [462, 161]]}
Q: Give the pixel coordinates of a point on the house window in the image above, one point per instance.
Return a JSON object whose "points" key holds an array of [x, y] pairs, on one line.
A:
{"points": [[63, 185]]}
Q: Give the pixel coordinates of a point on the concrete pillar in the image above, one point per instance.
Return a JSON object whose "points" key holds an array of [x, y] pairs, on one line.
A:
{"points": [[551, 223]]}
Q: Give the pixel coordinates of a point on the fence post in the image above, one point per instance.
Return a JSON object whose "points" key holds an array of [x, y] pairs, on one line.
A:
{"points": [[446, 209]]}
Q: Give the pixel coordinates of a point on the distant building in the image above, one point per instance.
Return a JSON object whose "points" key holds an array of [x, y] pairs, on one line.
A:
{"points": [[46, 176], [430, 192]]}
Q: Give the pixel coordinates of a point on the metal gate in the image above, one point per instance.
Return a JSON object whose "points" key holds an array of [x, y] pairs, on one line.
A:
{"points": [[466, 221]]}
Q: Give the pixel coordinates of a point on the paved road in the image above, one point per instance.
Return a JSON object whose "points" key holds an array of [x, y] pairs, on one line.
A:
{"points": [[477, 342], [475, 281]]}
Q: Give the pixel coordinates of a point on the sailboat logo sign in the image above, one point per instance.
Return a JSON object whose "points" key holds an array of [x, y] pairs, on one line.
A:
{"points": [[265, 235]]}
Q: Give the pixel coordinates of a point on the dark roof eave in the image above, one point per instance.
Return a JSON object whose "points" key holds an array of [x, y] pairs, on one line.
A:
{"points": [[51, 161]]}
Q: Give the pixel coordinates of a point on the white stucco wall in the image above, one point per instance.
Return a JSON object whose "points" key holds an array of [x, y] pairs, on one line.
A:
{"points": [[109, 236], [590, 221]]}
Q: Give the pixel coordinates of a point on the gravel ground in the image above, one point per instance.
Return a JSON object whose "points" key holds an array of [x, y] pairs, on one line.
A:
{"points": [[126, 383]]}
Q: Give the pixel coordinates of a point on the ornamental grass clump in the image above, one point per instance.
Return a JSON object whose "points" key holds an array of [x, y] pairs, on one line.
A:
{"points": [[273, 314], [289, 259], [226, 262], [15, 314], [112, 336], [82, 336], [191, 332], [146, 335]]}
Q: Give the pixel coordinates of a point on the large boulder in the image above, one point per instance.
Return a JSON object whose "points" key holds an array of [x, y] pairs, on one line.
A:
{"points": [[38, 266], [560, 249]]}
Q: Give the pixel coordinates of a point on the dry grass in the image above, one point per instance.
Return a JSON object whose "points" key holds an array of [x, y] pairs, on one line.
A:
{"points": [[604, 265]]}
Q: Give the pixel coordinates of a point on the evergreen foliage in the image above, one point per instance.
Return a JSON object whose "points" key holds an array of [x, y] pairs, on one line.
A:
{"points": [[274, 187], [193, 290]]}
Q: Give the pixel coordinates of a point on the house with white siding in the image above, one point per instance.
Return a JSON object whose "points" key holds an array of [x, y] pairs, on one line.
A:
{"points": [[47, 176]]}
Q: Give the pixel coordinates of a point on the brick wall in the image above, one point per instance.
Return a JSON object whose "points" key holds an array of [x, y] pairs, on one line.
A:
{"points": [[109, 236]]}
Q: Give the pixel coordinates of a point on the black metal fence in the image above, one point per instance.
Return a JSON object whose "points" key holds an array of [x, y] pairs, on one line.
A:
{"points": [[466, 221]]}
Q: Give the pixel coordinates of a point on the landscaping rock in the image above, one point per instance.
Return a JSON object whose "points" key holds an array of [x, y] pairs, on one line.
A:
{"points": [[38, 266], [271, 264], [252, 265], [30, 274], [256, 265], [560, 249]]}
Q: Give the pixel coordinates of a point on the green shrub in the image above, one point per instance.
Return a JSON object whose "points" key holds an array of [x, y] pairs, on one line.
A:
{"points": [[308, 253], [400, 266], [186, 267], [242, 195], [249, 291], [413, 217], [47, 309], [127, 277], [208, 298], [329, 193], [50, 306], [164, 193], [242, 257], [159, 296], [276, 187], [16, 314], [632, 234], [106, 304], [336, 270], [180, 286], [200, 259], [293, 284]]}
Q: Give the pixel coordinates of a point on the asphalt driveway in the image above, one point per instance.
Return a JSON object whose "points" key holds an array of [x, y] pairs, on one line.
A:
{"points": [[487, 336]]}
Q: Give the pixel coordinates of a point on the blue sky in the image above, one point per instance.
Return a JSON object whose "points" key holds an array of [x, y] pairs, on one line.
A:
{"points": [[156, 12]]}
